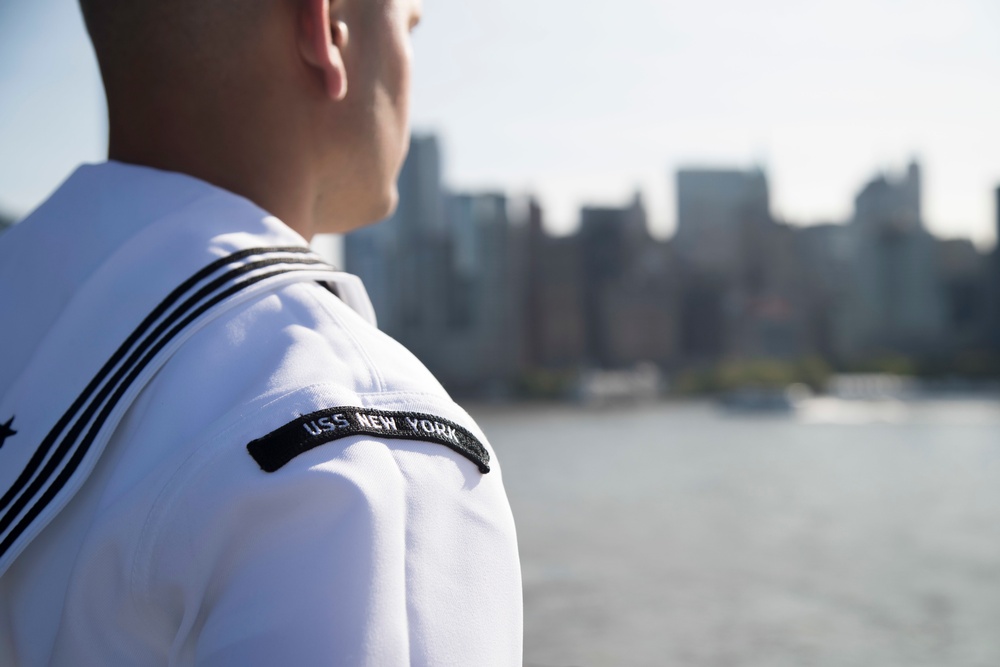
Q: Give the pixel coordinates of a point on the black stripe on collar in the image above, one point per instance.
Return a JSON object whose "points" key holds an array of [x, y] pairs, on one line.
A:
{"points": [[33, 481]]}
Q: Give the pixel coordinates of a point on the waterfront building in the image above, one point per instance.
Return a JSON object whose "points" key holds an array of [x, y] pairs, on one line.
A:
{"points": [[477, 347], [716, 210], [554, 332], [897, 302], [994, 279], [964, 273], [742, 294], [602, 298], [610, 241], [444, 276], [402, 258], [639, 311], [825, 252]]}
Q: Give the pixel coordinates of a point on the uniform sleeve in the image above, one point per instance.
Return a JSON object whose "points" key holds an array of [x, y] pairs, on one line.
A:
{"points": [[361, 552]]}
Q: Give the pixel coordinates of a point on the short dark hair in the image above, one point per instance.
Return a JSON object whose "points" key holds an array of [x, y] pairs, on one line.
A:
{"points": [[158, 33]]}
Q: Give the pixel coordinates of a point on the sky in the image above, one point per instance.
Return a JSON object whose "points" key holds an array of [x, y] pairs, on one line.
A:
{"points": [[580, 102]]}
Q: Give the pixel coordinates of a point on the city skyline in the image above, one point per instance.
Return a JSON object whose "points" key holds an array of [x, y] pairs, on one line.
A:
{"points": [[582, 107], [493, 303]]}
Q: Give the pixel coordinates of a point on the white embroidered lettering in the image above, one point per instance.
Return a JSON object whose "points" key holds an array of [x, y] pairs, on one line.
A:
{"points": [[277, 448]]}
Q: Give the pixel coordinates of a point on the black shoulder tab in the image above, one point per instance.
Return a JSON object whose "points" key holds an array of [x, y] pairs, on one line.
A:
{"points": [[279, 447]]}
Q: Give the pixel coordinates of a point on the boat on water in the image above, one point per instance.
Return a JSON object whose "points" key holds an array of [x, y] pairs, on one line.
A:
{"points": [[642, 383], [762, 399]]}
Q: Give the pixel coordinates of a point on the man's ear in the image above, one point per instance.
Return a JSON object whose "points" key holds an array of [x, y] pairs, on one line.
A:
{"points": [[322, 40]]}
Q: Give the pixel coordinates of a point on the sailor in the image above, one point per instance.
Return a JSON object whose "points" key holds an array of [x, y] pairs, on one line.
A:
{"points": [[209, 454]]}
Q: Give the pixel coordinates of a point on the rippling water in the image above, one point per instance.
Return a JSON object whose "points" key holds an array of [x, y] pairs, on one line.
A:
{"points": [[847, 534]]}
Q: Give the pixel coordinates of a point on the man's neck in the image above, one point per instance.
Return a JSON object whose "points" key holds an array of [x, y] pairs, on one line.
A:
{"points": [[269, 172]]}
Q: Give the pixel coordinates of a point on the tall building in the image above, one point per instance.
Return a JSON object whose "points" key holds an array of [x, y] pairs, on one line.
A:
{"points": [[717, 210], [610, 239], [444, 276], [964, 274], [996, 247], [628, 301], [897, 301], [994, 280], [741, 293], [826, 253], [554, 331], [482, 344], [402, 259], [640, 310], [605, 297]]}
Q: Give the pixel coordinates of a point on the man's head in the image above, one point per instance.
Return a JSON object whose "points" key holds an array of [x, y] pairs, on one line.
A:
{"points": [[301, 105]]}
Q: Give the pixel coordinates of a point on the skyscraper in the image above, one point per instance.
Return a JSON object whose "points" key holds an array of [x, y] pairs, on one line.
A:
{"points": [[554, 331], [442, 276], [994, 291], [714, 208], [997, 215], [609, 241], [478, 344], [402, 259], [628, 295], [739, 269], [897, 301]]}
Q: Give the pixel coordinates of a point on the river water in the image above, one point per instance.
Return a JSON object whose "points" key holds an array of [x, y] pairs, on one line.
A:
{"points": [[845, 534]]}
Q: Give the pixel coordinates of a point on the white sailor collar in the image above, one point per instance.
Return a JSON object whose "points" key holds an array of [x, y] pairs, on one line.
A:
{"points": [[128, 200], [139, 235]]}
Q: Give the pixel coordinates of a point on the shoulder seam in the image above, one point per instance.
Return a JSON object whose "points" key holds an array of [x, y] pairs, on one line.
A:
{"points": [[370, 365]]}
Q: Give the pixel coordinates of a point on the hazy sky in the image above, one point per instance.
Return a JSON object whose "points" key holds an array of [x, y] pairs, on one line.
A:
{"points": [[581, 101]]}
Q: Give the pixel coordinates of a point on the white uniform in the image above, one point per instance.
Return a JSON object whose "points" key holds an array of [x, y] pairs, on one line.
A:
{"points": [[231, 467]]}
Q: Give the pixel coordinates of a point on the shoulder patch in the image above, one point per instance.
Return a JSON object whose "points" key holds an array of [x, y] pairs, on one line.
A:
{"points": [[277, 448]]}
